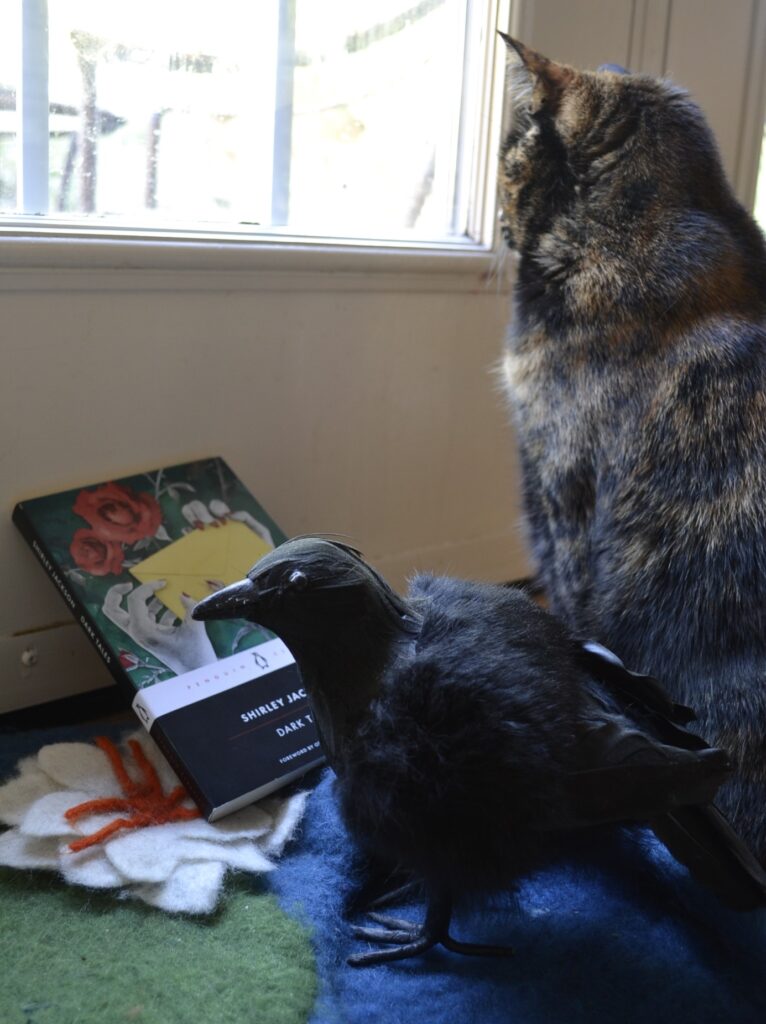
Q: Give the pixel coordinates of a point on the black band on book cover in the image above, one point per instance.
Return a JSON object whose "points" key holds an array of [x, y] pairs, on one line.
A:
{"points": [[243, 739]]}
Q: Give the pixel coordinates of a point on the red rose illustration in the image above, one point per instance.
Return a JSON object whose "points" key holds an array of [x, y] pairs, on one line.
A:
{"points": [[118, 513], [128, 660], [95, 554]]}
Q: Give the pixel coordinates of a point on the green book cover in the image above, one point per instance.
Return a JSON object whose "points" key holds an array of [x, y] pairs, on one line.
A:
{"points": [[131, 557]]}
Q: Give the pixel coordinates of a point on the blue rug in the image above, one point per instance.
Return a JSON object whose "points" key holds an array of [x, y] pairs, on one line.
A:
{"points": [[614, 936], [617, 935]]}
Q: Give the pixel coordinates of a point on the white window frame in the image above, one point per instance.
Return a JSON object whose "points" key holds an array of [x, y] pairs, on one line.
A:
{"points": [[36, 243]]}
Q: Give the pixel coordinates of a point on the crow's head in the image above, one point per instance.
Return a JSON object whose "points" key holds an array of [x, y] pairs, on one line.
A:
{"points": [[340, 619], [307, 589]]}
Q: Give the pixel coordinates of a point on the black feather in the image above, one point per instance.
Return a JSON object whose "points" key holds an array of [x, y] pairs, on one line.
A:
{"points": [[704, 841], [472, 733]]}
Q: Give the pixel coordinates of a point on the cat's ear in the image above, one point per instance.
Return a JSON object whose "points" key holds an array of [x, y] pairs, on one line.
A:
{"points": [[545, 79]]}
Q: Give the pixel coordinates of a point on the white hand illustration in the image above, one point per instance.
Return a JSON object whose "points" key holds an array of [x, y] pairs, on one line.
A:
{"points": [[198, 514], [181, 647]]}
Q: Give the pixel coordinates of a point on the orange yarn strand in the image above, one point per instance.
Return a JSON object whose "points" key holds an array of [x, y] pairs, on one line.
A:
{"points": [[104, 833], [115, 759], [100, 806], [144, 801], [151, 778]]}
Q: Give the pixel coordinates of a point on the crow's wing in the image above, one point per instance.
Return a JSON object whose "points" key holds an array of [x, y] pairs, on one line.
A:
{"points": [[627, 774], [639, 694], [702, 840], [634, 760], [642, 764]]}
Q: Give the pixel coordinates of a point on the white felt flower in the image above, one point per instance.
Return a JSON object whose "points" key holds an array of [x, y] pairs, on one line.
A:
{"points": [[107, 818]]}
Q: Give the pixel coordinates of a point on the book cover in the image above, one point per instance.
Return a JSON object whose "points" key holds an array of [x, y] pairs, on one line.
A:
{"points": [[131, 557]]}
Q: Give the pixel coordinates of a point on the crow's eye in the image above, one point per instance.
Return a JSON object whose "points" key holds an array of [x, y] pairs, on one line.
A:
{"points": [[297, 580]]}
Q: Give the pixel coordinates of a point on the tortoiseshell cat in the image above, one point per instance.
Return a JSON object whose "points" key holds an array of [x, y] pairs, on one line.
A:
{"points": [[636, 368]]}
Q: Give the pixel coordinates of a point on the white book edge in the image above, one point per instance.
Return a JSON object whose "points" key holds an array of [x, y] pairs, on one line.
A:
{"points": [[152, 702]]}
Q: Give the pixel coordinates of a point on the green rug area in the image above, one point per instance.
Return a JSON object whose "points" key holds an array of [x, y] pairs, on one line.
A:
{"points": [[74, 956]]}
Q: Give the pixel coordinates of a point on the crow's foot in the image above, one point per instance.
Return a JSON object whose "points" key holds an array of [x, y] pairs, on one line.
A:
{"points": [[403, 944], [410, 939]]}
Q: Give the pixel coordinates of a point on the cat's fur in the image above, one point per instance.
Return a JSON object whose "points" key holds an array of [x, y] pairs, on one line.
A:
{"points": [[636, 368]]}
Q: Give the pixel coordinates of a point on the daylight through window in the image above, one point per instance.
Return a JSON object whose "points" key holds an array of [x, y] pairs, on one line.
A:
{"points": [[760, 193], [318, 118]]}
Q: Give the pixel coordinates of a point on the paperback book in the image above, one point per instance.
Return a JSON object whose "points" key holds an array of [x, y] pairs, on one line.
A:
{"points": [[131, 557]]}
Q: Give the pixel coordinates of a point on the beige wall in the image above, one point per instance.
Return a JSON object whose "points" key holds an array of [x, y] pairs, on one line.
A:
{"points": [[371, 413]]}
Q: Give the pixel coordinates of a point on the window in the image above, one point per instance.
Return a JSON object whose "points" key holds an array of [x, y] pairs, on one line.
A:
{"points": [[363, 119], [760, 189]]}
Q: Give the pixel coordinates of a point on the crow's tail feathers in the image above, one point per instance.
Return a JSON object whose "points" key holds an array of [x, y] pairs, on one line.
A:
{"points": [[701, 838]]}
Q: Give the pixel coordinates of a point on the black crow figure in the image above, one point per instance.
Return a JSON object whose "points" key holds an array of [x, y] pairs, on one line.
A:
{"points": [[470, 732]]}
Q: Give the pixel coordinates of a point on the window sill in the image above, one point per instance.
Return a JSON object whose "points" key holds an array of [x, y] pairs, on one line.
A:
{"points": [[50, 259]]}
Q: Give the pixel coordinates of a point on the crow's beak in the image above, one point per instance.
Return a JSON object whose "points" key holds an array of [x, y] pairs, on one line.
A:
{"points": [[236, 601]]}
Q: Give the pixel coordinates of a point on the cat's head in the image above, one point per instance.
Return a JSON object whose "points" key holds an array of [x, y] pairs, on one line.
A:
{"points": [[598, 146]]}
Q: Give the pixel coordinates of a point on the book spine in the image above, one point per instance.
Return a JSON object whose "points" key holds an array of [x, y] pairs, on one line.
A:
{"points": [[177, 764], [75, 605]]}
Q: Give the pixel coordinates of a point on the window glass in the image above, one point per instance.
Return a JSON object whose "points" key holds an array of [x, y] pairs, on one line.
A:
{"points": [[10, 53], [334, 118]]}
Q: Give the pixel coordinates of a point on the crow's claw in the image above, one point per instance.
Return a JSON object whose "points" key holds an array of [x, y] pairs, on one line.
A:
{"points": [[385, 935], [381, 956], [397, 923]]}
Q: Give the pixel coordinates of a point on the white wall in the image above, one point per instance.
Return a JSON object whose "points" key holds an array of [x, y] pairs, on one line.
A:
{"points": [[371, 413], [357, 399]]}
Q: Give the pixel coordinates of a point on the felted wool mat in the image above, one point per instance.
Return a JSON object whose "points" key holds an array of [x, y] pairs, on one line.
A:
{"points": [[615, 934], [71, 955]]}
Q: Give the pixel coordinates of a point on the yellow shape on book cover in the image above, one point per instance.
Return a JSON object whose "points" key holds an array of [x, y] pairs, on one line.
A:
{"points": [[201, 561]]}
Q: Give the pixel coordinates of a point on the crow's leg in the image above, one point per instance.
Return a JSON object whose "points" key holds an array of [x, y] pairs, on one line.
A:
{"points": [[410, 939], [395, 895], [381, 887]]}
